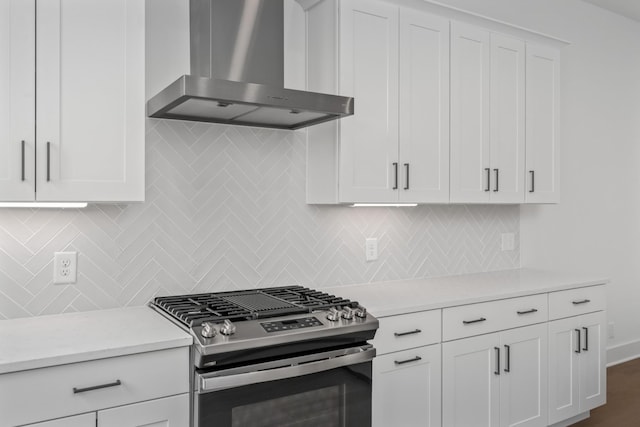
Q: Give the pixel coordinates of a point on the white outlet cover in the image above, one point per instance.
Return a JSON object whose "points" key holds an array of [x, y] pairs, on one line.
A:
{"points": [[65, 268], [371, 249]]}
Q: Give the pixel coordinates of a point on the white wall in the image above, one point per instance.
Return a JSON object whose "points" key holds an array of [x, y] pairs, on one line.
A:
{"points": [[596, 227]]}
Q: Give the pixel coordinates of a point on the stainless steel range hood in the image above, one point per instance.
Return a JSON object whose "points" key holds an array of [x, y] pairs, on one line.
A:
{"points": [[237, 72]]}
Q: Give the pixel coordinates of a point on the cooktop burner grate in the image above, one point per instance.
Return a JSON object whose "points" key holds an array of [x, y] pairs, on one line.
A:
{"points": [[193, 310]]}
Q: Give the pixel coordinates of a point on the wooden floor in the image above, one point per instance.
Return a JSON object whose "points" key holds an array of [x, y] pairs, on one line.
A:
{"points": [[623, 398]]}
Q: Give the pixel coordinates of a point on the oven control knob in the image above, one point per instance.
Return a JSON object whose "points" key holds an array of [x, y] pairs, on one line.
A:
{"points": [[333, 315], [208, 330], [228, 328], [361, 312], [347, 313]]}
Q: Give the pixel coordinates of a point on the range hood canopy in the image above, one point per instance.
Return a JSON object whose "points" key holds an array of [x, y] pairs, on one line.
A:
{"points": [[237, 72]]}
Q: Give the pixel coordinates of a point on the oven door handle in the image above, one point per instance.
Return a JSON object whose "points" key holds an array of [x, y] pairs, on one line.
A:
{"points": [[207, 384]]}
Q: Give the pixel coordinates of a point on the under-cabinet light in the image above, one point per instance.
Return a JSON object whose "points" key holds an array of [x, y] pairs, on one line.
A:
{"points": [[383, 205], [42, 205]]}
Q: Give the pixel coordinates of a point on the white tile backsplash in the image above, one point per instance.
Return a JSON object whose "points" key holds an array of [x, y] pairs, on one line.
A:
{"points": [[225, 209]]}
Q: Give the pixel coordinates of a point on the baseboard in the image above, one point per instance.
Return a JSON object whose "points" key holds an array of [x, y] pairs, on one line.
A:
{"points": [[623, 353]]}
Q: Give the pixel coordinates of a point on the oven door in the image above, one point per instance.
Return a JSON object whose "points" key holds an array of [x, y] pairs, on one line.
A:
{"points": [[331, 389]]}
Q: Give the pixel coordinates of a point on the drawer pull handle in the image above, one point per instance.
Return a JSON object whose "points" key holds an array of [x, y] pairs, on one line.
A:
{"points": [[402, 362], [468, 322], [97, 387], [402, 334], [533, 310], [584, 301]]}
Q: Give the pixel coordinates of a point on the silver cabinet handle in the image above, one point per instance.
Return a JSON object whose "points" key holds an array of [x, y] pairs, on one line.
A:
{"points": [[533, 310], [402, 362], [469, 322], [48, 161], [402, 334], [96, 387], [507, 363], [584, 301], [533, 181], [395, 165], [579, 350], [497, 371], [497, 171], [488, 171], [406, 165], [586, 339]]}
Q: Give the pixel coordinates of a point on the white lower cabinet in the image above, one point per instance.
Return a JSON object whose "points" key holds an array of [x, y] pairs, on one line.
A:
{"points": [[124, 391], [406, 388], [497, 379], [577, 369]]}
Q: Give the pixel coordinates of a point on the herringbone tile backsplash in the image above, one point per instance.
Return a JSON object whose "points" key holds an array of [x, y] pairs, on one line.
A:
{"points": [[225, 209]]}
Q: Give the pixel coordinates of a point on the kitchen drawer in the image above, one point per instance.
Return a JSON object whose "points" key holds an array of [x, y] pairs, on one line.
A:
{"points": [[483, 318], [408, 331], [577, 301], [142, 376]]}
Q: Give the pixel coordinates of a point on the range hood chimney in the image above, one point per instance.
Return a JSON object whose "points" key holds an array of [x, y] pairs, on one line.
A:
{"points": [[237, 72]]}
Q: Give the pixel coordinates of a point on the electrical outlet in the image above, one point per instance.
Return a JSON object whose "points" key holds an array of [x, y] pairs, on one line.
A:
{"points": [[371, 249], [508, 241], [612, 330], [65, 267]]}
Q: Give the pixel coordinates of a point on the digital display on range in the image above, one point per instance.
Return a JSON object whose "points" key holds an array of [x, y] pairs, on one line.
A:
{"points": [[286, 325]]}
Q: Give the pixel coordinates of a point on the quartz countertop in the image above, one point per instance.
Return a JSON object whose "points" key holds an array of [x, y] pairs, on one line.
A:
{"points": [[406, 296], [38, 342]]}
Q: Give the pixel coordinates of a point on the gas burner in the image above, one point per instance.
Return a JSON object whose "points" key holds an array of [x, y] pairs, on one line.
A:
{"points": [[194, 310]]}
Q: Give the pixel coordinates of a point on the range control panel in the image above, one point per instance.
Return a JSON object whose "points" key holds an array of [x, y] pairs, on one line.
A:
{"points": [[285, 325]]}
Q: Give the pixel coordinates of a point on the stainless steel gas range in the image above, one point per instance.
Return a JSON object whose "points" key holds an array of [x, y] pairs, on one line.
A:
{"points": [[283, 356]]}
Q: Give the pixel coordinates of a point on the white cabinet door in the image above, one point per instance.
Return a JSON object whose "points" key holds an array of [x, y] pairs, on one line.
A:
{"points": [[507, 119], [470, 104], [593, 374], [167, 412], [369, 72], [470, 382], [84, 420], [523, 380], [424, 108], [564, 369], [91, 100], [406, 388], [17, 100], [542, 152], [577, 367]]}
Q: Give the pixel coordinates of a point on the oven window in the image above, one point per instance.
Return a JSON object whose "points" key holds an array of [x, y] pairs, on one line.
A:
{"points": [[319, 407], [339, 397]]}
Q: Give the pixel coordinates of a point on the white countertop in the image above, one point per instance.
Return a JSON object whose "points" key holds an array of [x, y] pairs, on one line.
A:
{"points": [[37, 342], [406, 296]]}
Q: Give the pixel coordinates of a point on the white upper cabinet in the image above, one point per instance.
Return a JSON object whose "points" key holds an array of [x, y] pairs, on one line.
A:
{"points": [[91, 100], [395, 63], [444, 112], [90, 109], [542, 165], [369, 72], [470, 85], [424, 108], [487, 116], [17, 99]]}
